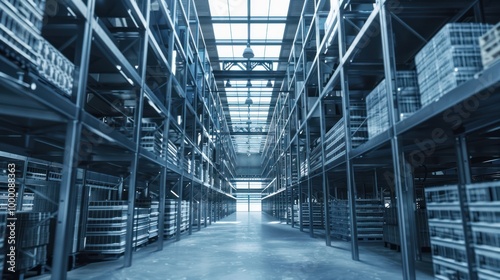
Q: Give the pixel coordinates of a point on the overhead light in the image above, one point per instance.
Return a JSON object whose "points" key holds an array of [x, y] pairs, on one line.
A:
{"points": [[249, 83], [248, 52], [174, 193], [269, 83], [228, 84], [249, 101]]}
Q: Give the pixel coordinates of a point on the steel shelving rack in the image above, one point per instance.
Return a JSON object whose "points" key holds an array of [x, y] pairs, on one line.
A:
{"points": [[140, 104], [341, 51]]}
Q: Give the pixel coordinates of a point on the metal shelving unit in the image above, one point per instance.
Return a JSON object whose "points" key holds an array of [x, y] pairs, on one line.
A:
{"points": [[342, 54], [123, 89]]}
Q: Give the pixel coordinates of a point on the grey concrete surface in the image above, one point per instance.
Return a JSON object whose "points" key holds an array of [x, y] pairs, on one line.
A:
{"points": [[252, 246]]}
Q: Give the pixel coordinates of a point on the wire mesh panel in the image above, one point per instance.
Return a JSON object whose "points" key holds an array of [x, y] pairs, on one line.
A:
{"points": [[32, 238], [490, 46], [451, 58]]}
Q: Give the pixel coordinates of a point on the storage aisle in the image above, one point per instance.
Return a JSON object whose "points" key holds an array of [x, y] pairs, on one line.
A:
{"points": [[251, 246]]}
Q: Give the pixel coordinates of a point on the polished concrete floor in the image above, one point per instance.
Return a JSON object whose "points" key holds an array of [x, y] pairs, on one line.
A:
{"points": [[252, 246]]}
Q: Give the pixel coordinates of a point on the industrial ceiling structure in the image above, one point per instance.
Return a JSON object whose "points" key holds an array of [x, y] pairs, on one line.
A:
{"points": [[249, 42]]}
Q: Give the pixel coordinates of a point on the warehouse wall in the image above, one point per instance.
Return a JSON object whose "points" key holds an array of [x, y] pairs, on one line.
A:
{"points": [[248, 165]]}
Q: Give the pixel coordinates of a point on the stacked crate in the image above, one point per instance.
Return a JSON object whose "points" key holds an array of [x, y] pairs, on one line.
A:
{"points": [[451, 58], [446, 233], [490, 46], [296, 218], [369, 216], [408, 100], [153, 219], [315, 158], [170, 219], [106, 227], [335, 137], [141, 226], [484, 207], [32, 238], [28, 199], [184, 215], [20, 30], [317, 215], [55, 67]]}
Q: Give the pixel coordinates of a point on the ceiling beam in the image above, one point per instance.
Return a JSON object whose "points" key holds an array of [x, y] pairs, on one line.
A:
{"points": [[245, 75]]}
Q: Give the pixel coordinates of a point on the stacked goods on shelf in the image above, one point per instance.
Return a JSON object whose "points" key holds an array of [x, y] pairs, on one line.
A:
{"points": [[141, 226], [28, 199], [106, 227], [335, 137], [335, 147], [451, 58], [55, 67], [408, 100], [484, 209], [151, 137], [170, 219], [32, 238], [20, 35], [20, 30], [304, 168], [315, 159], [490, 46], [446, 231], [3, 223], [184, 215], [153, 219], [330, 21], [317, 215], [369, 216], [296, 218], [391, 228]]}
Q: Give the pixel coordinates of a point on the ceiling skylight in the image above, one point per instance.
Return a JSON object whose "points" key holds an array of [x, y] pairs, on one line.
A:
{"points": [[267, 29]]}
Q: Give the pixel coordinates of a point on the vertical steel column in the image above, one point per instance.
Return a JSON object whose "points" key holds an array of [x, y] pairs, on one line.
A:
{"points": [[309, 185], [465, 178], [326, 190], [405, 205], [137, 139], [351, 185], [179, 208], [191, 201], [71, 151], [161, 206], [22, 187]]}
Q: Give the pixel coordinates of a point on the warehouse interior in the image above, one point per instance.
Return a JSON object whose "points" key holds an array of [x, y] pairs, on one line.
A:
{"points": [[252, 139]]}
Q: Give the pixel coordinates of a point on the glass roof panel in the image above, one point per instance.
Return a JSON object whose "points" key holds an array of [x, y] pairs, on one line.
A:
{"points": [[261, 31], [230, 38]]}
